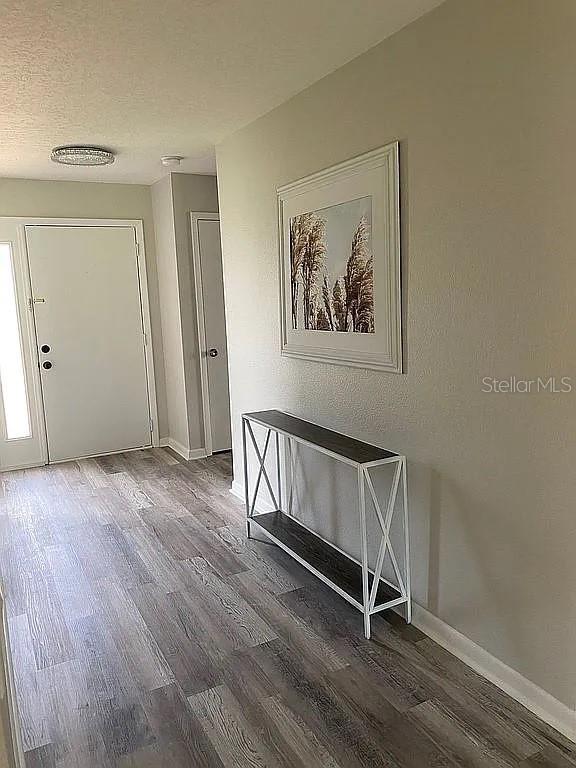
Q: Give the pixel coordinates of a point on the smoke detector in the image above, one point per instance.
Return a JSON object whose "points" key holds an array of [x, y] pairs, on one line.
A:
{"points": [[78, 154], [171, 161]]}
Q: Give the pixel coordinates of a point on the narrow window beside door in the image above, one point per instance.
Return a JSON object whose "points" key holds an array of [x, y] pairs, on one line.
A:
{"points": [[13, 383]]}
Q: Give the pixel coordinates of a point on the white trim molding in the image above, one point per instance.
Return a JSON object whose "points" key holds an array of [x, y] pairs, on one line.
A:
{"points": [[524, 691], [186, 453]]}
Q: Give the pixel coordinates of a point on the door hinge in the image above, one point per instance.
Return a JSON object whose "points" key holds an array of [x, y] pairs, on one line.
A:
{"points": [[151, 426], [145, 336], [137, 248]]}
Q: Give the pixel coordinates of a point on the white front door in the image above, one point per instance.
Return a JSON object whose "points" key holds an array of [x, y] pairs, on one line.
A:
{"points": [[212, 321], [89, 331]]}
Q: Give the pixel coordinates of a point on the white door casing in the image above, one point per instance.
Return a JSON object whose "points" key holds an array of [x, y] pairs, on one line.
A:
{"points": [[209, 287], [87, 308]]}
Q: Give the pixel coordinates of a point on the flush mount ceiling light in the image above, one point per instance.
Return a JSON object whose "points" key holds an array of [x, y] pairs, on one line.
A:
{"points": [[171, 161], [81, 155]]}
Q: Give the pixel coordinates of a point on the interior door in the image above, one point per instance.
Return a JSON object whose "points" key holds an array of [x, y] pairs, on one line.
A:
{"points": [[89, 330], [216, 354]]}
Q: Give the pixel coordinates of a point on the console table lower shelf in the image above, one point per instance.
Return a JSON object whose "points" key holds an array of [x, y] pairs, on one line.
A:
{"points": [[326, 562], [363, 587]]}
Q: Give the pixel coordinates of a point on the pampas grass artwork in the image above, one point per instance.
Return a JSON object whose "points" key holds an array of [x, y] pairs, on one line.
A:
{"points": [[339, 263], [331, 268]]}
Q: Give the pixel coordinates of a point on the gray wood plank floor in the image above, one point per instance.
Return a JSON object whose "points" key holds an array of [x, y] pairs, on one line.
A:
{"points": [[146, 631]]}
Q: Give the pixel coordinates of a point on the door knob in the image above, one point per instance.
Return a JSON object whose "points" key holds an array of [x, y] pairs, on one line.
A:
{"points": [[47, 365], [213, 352]]}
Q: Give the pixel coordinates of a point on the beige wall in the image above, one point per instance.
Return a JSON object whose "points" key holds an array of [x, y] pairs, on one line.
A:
{"points": [[198, 193], [480, 94], [177, 412], [66, 199], [173, 198]]}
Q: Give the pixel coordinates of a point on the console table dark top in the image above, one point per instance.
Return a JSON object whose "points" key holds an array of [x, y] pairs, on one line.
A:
{"points": [[326, 439]]}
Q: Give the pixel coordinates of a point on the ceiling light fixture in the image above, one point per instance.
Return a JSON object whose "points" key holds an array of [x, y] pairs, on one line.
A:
{"points": [[171, 161], [82, 155]]}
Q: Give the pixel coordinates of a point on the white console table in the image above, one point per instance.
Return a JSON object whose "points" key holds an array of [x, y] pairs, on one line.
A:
{"points": [[365, 588]]}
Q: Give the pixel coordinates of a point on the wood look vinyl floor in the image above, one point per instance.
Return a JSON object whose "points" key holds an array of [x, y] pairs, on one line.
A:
{"points": [[146, 631]]}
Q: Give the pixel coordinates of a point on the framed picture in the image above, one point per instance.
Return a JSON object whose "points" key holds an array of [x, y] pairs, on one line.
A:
{"points": [[339, 236]]}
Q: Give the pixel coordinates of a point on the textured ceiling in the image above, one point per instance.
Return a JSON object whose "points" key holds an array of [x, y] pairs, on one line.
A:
{"points": [[173, 77]]}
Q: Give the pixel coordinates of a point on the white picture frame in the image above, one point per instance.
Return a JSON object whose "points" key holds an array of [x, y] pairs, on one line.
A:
{"points": [[372, 181]]}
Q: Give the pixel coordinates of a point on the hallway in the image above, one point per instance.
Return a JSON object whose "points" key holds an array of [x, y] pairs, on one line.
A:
{"points": [[146, 631]]}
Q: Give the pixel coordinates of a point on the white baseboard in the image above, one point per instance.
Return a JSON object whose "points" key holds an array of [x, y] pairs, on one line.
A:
{"points": [[237, 489], [527, 693], [522, 690], [187, 453]]}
